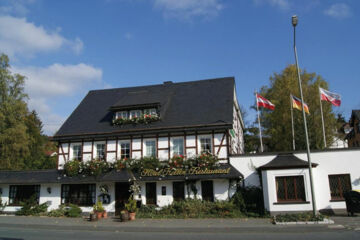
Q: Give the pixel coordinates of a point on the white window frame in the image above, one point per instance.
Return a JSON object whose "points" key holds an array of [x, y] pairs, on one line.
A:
{"points": [[96, 149], [135, 113], [73, 153], [146, 153], [122, 114], [173, 153], [150, 111], [210, 143], [120, 147]]}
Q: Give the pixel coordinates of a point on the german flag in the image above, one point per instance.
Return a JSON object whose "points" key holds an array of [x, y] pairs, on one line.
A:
{"points": [[296, 103]]}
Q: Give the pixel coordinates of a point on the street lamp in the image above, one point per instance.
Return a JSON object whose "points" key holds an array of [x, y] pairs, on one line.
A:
{"points": [[294, 21]]}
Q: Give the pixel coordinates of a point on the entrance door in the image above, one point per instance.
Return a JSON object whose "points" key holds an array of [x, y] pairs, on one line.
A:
{"points": [[122, 195], [178, 191], [207, 190], [151, 193]]}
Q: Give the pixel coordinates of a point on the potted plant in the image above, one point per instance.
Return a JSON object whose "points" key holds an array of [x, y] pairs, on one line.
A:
{"points": [[93, 217], [98, 209], [131, 208], [124, 215]]}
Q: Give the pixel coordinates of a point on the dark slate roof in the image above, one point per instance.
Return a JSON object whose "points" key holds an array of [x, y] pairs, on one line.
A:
{"points": [[286, 161], [56, 176], [184, 104], [233, 174]]}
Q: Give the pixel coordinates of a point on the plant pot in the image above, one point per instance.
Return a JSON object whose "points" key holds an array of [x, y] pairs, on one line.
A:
{"points": [[124, 216], [132, 216], [105, 214], [99, 215], [93, 217]]}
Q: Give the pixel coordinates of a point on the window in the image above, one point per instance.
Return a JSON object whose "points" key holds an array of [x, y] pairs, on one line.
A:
{"points": [[79, 194], [290, 188], [339, 184], [135, 113], [122, 114], [205, 145], [20, 193], [124, 150], [77, 152], [150, 111], [100, 151], [178, 146], [150, 148]]}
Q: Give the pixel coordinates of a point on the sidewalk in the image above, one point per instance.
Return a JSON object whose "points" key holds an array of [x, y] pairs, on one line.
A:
{"points": [[170, 225]]}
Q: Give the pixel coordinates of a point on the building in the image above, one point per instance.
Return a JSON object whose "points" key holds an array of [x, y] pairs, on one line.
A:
{"points": [[284, 178], [353, 136], [160, 121]]}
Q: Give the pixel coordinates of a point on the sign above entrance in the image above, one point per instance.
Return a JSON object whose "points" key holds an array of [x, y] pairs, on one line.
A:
{"points": [[180, 172]]}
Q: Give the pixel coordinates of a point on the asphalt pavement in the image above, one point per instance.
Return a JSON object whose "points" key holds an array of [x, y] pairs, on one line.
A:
{"points": [[15, 227]]}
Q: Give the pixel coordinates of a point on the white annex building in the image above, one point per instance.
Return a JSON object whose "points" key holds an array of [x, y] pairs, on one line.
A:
{"points": [[187, 119]]}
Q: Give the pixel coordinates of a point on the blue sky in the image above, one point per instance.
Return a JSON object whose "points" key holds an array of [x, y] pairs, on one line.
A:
{"points": [[66, 48]]}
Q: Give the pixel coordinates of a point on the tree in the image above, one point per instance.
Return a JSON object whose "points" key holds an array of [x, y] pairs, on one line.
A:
{"points": [[21, 141], [277, 123]]}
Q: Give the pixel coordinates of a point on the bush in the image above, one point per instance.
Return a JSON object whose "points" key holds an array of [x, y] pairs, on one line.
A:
{"points": [[72, 168], [192, 208], [250, 201], [299, 217], [70, 210], [73, 211], [30, 207]]}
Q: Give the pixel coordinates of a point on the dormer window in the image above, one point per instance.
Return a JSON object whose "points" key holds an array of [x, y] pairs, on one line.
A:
{"points": [[122, 115], [135, 114], [150, 112]]}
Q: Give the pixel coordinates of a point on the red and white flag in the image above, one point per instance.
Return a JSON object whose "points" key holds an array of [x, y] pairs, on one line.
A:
{"points": [[334, 98], [263, 102]]}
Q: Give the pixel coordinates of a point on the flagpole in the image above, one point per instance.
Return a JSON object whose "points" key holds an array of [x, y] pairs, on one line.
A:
{"points": [[257, 108], [294, 23], [292, 122], [322, 119]]}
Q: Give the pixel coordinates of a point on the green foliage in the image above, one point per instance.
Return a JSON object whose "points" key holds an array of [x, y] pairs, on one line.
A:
{"points": [[70, 210], [2, 205], [130, 206], [250, 201], [73, 211], [22, 143], [72, 168], [277, 123], [298, 217], [98, 207], [192, 208], [96, 167], [30, 207]]}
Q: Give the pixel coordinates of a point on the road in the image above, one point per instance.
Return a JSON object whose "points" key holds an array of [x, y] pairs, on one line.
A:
{"points": [[31, 233]]}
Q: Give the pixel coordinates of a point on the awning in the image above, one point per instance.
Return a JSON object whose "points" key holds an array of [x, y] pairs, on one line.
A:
{"points": [[286, 161]]}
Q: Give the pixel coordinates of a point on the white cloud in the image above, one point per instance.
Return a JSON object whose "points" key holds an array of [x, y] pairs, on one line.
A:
{"points": [[282, 4], [47, 84], [187, 9], [20, 37], [338, 10], [15, 7]]}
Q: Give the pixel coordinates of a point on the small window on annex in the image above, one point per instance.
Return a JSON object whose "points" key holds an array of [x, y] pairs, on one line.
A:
{"points": [[79, 194], [122, 115], [125, 150], [205, 145], [290, 189], [100, 151], [339, 185], [177, 146], [20, 193], [135, 113], [150, 148], [77, 152], [150, 111]]}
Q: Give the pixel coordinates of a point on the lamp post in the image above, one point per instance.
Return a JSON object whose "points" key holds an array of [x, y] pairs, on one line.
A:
{"points": [[294, 21]]}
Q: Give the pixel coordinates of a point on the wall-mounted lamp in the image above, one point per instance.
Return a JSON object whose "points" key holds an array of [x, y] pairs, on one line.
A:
{"points": [[49, 190]]}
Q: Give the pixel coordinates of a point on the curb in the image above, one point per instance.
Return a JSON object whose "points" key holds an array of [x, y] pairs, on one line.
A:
{"points": [[325, 221]]}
